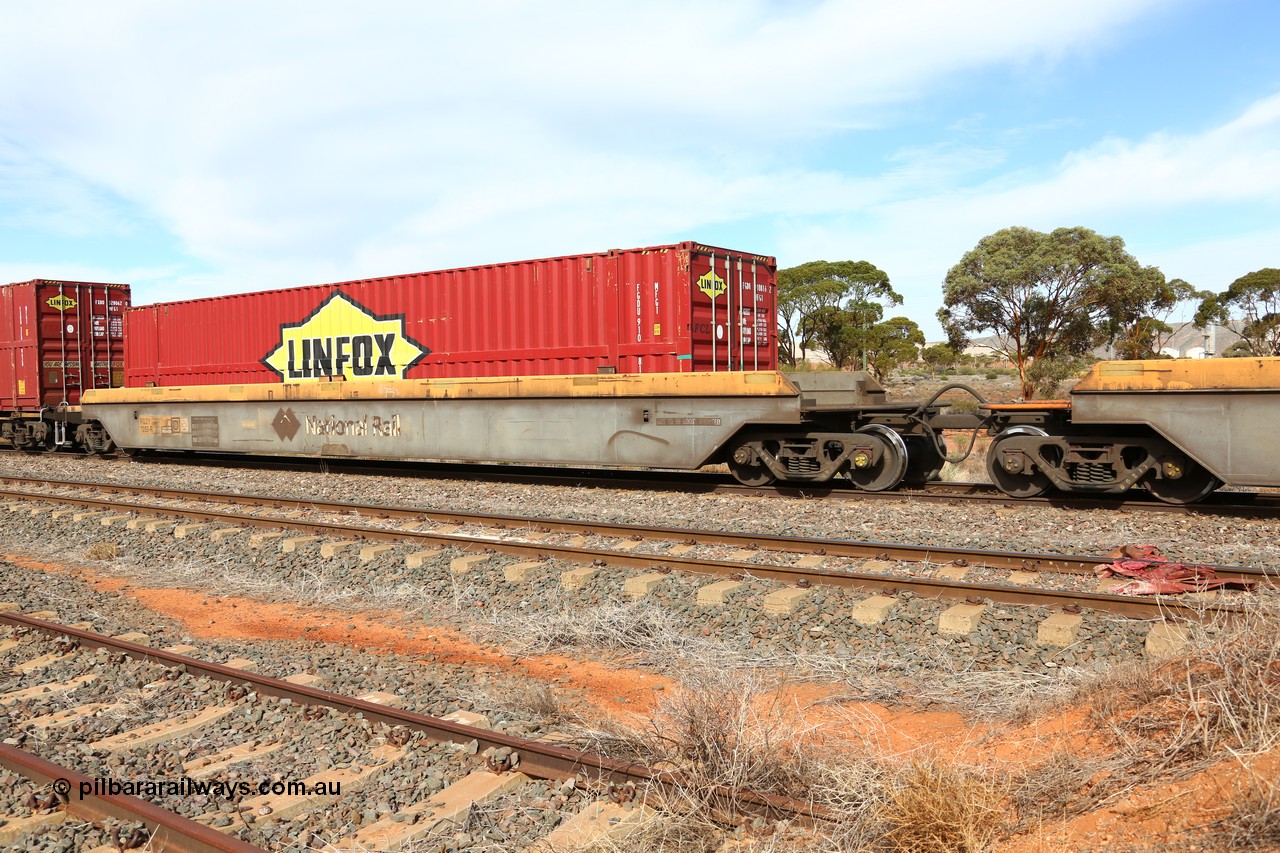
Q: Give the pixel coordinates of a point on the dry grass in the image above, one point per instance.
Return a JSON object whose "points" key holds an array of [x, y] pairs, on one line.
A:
{"points": [[665, 831], [1063, 784], [1254, 821], [1221, 693], [937, 807], [1150, 720], [973, 468], [627, 627], [721, 729], [1014, 696], [728, 731], [102, 551], [532, 700]]}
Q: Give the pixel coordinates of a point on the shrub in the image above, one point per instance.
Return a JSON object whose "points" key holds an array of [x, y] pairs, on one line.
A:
{"points": [[103, 551], [940, 808]]}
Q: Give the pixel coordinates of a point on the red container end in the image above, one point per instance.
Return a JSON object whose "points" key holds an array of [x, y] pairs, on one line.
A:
{"points": [[665, 309], [58, 338]]}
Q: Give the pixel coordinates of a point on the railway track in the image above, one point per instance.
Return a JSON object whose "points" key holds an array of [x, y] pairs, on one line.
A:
{"points": [[135, 821], [248, 719], [403, 531], [1242, 504], [793, 561]]}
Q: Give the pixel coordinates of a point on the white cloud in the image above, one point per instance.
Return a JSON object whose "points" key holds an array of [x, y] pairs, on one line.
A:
{"points": [[1133, 188], [1214, 264], [288, 143], [329, 138]]}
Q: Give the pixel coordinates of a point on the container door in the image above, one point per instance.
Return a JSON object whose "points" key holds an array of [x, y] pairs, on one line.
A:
{"points": [[755, 315], [717, 300], [104, 339], [58, 353], [8, 348], [732, 297], [707, 315], [94, 321], [25, 354]]}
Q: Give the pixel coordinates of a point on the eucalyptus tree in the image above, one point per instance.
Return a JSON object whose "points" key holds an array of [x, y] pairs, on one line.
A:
{"points": [[812, 296], [1047, 296], [1256, 297]]}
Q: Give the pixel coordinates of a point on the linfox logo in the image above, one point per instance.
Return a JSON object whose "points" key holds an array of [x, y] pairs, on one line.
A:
{"points": [[61, 302], [712, 284], [343, 338]]}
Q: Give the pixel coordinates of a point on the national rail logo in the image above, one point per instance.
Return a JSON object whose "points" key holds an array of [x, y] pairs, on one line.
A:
{"points": [[342, 338], [285, 424]]}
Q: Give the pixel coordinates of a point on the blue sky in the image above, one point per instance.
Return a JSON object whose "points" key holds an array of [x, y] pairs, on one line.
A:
{"points": [[193, 149]]}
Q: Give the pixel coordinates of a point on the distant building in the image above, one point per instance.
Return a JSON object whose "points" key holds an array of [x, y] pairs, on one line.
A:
{"points": [[1186, 341], [1189, 342]]}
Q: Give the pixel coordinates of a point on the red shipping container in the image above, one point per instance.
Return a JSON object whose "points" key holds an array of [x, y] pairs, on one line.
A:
{"points": [[58, 338], [677, 308]]}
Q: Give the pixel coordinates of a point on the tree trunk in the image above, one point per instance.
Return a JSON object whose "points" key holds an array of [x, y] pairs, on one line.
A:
{"points": [[1028, 390]]}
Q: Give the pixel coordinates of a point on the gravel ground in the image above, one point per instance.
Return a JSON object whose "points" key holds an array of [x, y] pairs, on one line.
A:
{"points": [[1227, 541], [315, 744], [690, 547], [534, 615], [667, 630]]}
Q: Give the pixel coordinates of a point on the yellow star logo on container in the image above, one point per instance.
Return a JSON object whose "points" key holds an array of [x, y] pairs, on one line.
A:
{"points": [[343, 339], [712, 284]]}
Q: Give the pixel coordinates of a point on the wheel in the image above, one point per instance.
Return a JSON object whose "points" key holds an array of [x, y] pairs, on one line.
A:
{"points": [[924, 460], [1195, 483], [748, 469], [885, 472], [1016, 479], [43, 444]]}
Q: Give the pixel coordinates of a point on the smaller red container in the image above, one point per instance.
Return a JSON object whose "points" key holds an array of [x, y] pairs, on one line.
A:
{"points": [[662, 309], [58, 338]]}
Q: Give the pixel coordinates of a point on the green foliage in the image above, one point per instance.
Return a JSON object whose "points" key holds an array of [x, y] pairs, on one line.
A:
{"points": [[891, 343], [811, 295], [1048, 374], [1256, 297], [940, 356], [1049, 296], [1144, 339], [1137, 308], [843, 333], [1240, 349], [851, 336], [854, 335]]}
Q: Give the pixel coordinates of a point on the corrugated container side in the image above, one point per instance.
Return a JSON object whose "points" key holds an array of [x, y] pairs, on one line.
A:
{"points": [[628, 310], [58, 338]]}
